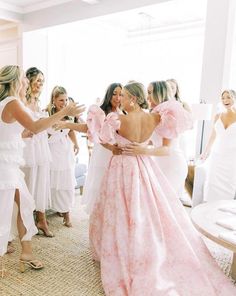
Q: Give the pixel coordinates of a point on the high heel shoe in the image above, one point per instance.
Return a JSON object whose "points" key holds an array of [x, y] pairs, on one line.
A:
{"points": [[2, 270], [66, 219], [45, 233], [34, 264], [67, 223]]}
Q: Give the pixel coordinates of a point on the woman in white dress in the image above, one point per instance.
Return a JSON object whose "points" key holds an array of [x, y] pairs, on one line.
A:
{"points": [[13, 119], [63, 147], [221, 164], [37, 154], [167, 152], [101, 154]]}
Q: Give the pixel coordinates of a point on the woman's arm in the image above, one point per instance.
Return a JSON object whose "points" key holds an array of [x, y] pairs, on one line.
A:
{"points": [[115, 149], [17, 112], [79, 127], [138, 149], [73, 138], [210, 142]]}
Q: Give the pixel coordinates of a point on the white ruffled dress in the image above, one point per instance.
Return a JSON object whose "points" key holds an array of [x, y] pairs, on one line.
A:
{"points": [[12, 178], [37, 158], [62, 170]]}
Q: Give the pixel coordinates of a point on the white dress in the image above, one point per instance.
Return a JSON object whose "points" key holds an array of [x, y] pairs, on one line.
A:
{"points": [[12, 178], [62, 170], [37, 158], [221, 173], [97, 166], [174, 166]]}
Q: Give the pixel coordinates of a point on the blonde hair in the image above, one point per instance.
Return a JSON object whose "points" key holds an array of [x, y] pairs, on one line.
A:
{"points": [[161, 91], [137, 90], [9, 81], [231, 92], [56, 92], [32, 74], [177, 94]]}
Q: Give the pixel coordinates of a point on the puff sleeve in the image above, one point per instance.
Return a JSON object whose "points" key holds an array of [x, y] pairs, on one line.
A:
{"points": [[102, 128], [174, 119]]}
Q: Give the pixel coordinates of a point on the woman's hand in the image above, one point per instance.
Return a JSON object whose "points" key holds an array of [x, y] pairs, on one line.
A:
{"points": [[60, 125], [76, 149], [204, 156], [73, 109], [116, 150], [27, 134], [135, 149]]}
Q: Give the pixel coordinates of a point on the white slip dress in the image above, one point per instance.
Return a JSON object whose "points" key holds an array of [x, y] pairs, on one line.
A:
{"points": [[221, 172]]}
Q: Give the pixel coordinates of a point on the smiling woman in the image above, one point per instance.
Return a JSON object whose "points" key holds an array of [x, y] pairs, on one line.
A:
{"points": [[221, 174]]}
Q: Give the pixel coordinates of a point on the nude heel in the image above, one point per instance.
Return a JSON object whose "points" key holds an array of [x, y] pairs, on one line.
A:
{"points": [[34, 264]]}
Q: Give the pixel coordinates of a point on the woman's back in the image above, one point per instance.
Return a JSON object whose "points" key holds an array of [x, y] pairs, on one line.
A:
{"points": [[138, 126]]}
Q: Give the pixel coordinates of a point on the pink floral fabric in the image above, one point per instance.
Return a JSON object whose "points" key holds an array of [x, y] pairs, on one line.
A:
{"points": [[142, 236]]}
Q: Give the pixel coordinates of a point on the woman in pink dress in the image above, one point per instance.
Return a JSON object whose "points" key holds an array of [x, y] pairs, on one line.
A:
{"points": [[139, 230], [166, 151]]}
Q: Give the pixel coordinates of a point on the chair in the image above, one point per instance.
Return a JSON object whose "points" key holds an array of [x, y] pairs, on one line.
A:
{"points": [[80, 175]]}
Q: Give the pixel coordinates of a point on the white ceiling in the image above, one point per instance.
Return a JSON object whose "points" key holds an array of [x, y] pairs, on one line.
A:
{"points": [[25, 6], [139, 14]]}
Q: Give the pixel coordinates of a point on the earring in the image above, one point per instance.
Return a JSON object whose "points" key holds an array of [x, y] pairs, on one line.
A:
{"points": [[131, 104], [53, 106]]}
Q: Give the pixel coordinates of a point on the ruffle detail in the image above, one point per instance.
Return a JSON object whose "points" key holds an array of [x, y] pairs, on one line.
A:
{"points": [[95, 120], [109, 128], [9, 145], [11, 159], [174, 119]]}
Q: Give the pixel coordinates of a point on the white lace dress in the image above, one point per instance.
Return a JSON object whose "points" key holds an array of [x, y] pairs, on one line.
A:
{"points": [[62, 170], [37, 158], [12, 178]]}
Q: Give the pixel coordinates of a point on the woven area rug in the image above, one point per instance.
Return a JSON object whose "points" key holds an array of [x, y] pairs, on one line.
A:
{"points": [[69, 269]]}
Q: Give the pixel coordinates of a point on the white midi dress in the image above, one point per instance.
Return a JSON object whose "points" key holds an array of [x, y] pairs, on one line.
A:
{"points": [[62, 170], [12, 178]]}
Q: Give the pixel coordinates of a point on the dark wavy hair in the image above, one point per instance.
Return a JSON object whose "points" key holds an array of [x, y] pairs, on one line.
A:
{"points": [[106, 105]]}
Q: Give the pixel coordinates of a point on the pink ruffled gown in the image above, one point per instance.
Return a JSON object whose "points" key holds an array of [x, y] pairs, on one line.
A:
{"points": [[140, 232]]}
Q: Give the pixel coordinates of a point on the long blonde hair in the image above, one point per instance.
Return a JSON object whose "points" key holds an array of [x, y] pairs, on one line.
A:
{"points": [[56, 92], [9, 81], [161, 91]]}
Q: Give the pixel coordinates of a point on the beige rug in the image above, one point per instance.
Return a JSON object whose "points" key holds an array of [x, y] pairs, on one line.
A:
{"points": [[69, 269]]}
